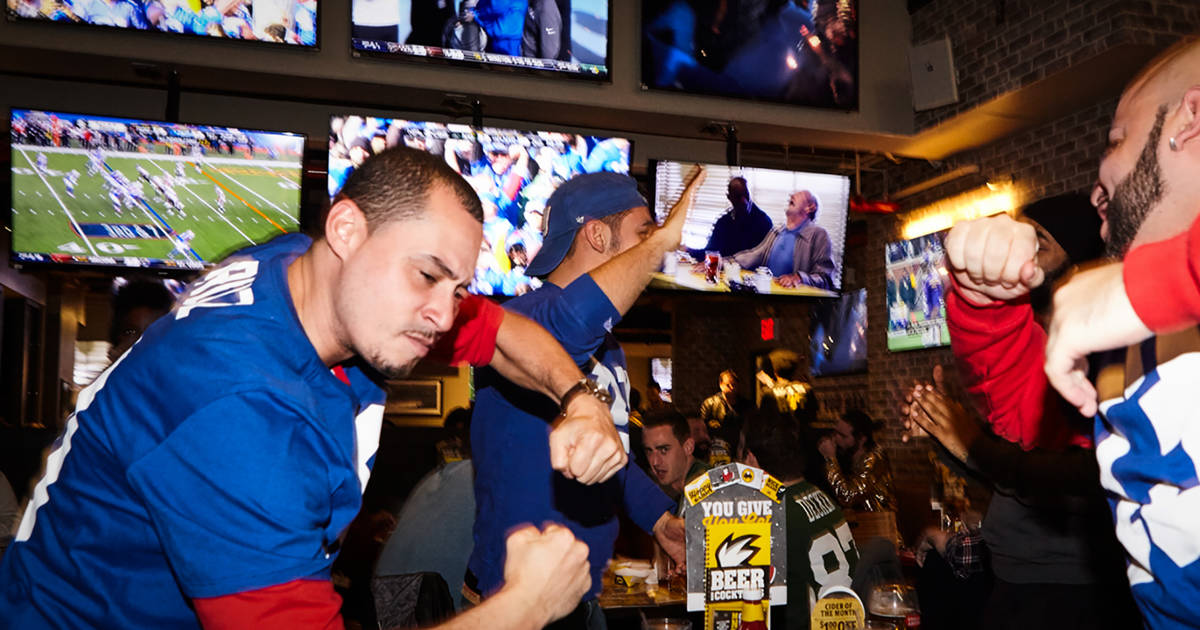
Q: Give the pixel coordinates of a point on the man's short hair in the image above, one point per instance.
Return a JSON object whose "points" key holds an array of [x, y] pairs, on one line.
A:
{"points": [[668, 417], [730, 373], [148, 294], [862, 424], [816, 203], [776, 441], [395, 185], [739, 178]]}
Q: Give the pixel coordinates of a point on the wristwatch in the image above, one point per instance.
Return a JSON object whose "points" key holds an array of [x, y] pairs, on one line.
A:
{"points": [[584, 386]]}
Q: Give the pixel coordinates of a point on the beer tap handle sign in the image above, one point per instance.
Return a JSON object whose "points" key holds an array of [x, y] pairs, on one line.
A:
{"points": [[736, 542]]}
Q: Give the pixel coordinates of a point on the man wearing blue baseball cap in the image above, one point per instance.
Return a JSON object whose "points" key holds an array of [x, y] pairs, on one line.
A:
{"points": [[600, 248]]}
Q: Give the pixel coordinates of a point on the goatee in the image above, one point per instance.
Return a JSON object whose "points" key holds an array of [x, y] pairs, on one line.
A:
{"points": [[1136, 195]]}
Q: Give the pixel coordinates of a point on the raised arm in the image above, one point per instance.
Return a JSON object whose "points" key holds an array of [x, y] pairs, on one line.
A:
{"points": [[1155, 290], [624, 277], [584, 444]]}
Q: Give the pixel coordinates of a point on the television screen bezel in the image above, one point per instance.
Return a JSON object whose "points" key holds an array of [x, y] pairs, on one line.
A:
{"points": [[325, 180], [470, 65], [164, 271], [15, 19], [647, 87], [652, 186]]}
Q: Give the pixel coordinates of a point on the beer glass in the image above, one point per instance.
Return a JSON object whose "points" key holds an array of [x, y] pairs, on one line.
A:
{"points": [[712, 266], [893, 606]]}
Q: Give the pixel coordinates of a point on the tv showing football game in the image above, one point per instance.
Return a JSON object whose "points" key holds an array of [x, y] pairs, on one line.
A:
{"points": [[803, 52], [839, 334], [513, 171], [916, 293], [98, 190], [755, 230], [288, 22], [564, 37]]}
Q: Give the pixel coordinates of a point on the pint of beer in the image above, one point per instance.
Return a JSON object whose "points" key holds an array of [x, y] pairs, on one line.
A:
{"points": [[712, 266]]}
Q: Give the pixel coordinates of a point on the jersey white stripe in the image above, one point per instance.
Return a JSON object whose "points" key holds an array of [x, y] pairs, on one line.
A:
{"points": [[366, 428], [54, 462]]}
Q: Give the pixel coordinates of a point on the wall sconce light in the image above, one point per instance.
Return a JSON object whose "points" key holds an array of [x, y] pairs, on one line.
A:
{"points": [[999, 182], [996, 197]]}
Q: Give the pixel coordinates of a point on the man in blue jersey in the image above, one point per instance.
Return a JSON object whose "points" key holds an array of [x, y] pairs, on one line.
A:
{"points": [[601, 246], [207, 477]]}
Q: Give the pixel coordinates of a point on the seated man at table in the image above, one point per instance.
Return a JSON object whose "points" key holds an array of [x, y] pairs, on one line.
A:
{"points": [[743, 225], [798, 252], [820, 550], [667, 440]]}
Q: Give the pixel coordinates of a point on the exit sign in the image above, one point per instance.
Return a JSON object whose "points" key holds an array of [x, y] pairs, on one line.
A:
{"points": [[767, 328]]}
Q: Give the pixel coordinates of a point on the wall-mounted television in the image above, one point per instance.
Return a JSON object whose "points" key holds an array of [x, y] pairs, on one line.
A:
{"points": [[287, 22], [800, 53], [565, 37], [513, 171], [99, 190], [916, 293], [755, 230], [839, 334]]}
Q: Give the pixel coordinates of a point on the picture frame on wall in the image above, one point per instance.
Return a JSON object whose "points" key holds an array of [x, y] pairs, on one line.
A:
{"points": [[414, 402]]}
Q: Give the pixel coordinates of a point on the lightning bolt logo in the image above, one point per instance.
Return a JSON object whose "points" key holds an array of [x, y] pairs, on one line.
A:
{"points": [[736, 552]]}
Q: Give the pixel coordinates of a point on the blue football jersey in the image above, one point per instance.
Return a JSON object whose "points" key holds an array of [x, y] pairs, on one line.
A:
{"points": [[1147, 444], [514, 482], [218, 455]]}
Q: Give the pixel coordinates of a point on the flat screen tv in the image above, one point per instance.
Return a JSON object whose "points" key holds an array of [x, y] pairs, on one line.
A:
{"points": [[563, 37], [287, 22], [785, 237], [513, 171], [98, 190], [916, 293], [839, 334], [803, 52]]}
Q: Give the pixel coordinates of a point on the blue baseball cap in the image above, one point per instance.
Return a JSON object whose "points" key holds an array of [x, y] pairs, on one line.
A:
{"points": [[577, 201]]}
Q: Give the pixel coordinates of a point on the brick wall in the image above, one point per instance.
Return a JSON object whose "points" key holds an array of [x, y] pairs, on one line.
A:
{"points": [[1057, 157], [1000, 46]]}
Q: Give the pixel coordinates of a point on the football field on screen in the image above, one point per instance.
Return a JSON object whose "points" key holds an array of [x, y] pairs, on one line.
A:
{"points": [[262, 199]]}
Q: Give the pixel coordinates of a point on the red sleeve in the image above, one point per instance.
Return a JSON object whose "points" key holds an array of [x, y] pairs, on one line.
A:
{"points": [[1001, 349], [472, 340], [296, 604], [1163, 281]]}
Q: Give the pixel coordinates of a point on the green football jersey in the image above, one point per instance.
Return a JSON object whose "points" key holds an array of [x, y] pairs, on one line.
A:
{"points": [[820, 550]]}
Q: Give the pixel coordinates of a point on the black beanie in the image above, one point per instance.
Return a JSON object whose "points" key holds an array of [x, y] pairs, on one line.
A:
{"points": [[1073, 222]]}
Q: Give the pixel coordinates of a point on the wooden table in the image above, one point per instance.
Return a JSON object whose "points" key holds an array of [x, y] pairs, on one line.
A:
{"points": [[643, 595], [625, 608]]}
